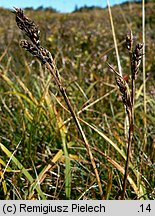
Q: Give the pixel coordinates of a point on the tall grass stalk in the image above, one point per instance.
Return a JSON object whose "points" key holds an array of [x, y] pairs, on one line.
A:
{"points": [[130, 113], [144, 89], [114, 37], [144, 74], [64, 94], [128, 96], [35, 48], [135, 60]]}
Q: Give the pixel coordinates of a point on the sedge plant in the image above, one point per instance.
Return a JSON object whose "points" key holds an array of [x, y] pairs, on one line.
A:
{"points": [[33, 46], [128, 95]]}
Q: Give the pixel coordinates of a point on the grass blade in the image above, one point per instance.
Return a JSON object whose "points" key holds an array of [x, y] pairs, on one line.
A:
{"points": [[22, 168], [63, 132]]}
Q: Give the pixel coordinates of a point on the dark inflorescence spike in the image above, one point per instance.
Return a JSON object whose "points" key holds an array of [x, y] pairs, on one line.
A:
{"points": [[30, 47], [28, 26]]}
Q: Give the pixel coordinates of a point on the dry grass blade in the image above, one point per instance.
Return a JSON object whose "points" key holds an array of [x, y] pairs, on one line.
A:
{"points": [[144, 75], [121, 169], [114, 37], [42, 175], [77, 124], [89, 105]]}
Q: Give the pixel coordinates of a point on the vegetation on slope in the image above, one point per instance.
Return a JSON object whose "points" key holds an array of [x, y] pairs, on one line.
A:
{"points": [[36, 131]]}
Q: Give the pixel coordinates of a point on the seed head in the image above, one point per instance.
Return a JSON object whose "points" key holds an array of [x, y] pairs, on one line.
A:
{"points": [[28, 26], [129, 41], [33, 49], [136, 58]]}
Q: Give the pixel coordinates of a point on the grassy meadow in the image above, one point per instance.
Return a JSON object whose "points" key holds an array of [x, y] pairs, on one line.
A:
{"points": [[42, 154]]}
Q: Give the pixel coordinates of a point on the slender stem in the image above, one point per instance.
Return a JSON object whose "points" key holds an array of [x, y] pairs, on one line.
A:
{"points": [[133, 88], [144, 74], [130, 135], [115, 41], [144, 91], [130, 112], [133, 92], [53, 71]]}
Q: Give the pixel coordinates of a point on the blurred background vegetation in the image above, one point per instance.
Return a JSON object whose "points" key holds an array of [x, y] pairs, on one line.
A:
{"points": [[36, 132]]}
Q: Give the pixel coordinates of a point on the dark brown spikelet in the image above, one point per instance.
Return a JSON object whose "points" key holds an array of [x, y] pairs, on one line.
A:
{"points": [[121, 84], [33, 49], [137, 56], [28, 26], [47, 55], [124, 89], [32, 31], [129, 41]]}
